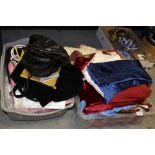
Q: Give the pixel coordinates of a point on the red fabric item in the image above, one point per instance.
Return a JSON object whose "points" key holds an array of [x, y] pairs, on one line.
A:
{"points": [[95, 102], [81, 62]]}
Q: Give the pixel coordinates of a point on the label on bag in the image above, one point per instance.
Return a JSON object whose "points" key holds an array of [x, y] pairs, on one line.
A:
{"points": [[52, 76]]}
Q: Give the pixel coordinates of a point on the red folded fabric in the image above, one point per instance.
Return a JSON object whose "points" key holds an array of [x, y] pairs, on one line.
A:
{"points": [[81, 62], [95, 102]]}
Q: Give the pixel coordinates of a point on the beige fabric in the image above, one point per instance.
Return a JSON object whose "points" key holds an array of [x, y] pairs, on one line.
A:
{"points": [[83, 49], [101, 57]]}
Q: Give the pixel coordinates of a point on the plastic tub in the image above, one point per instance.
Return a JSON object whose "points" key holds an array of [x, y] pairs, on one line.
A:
{"points": [[7, 100], [120, 120]]}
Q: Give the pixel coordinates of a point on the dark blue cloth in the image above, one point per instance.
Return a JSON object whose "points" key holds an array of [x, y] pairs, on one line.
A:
{"points": [[116, 76]]}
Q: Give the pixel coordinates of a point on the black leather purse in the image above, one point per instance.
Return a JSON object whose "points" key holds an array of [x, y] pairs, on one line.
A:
{"points": [[44, 56]]}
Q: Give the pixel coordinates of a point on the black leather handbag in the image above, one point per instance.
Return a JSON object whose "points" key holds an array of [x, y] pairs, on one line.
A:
{"points": [[44, 56]]}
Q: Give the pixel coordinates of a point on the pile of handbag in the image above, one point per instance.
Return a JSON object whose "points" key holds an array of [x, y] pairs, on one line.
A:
{"points": [[41, 76]]}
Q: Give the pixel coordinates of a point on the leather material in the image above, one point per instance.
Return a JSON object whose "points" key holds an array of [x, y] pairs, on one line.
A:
{"points": [[44, 56]]}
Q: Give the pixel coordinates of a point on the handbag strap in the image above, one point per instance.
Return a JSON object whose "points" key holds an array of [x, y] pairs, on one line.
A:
{"points": [[23, 88]]}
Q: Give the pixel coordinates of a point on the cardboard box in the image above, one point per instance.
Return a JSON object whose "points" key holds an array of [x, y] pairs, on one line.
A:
{"points": [[145, 48], [104, 37], [150, 49]]}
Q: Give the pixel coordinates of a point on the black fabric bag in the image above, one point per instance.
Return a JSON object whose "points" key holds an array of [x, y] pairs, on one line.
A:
{"points": [[44, 56], [68, 85]]}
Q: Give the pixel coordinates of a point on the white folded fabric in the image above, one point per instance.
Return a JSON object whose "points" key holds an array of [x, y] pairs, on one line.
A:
{"points": [[83, 49], [91, 82], [19, 106], [100, 57], [26, 103]]}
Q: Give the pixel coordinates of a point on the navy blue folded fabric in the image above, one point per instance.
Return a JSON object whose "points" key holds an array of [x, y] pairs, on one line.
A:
{"points": [[116, 76]]}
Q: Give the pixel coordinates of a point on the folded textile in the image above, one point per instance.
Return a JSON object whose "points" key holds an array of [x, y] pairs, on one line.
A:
{"points": [[144, 106], [95, 102], [83, 49], [49, 81], [91, 82], [139, 109], [100, 57], [81, 63], [111, 112], [22, 106], [68, 85], [125, 54], [11, 68], [24, 103], [116, 76]]}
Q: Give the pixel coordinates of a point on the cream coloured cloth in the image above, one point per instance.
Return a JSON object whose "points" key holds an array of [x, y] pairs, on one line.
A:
{"points": [[101, 57], [83, 49]]}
